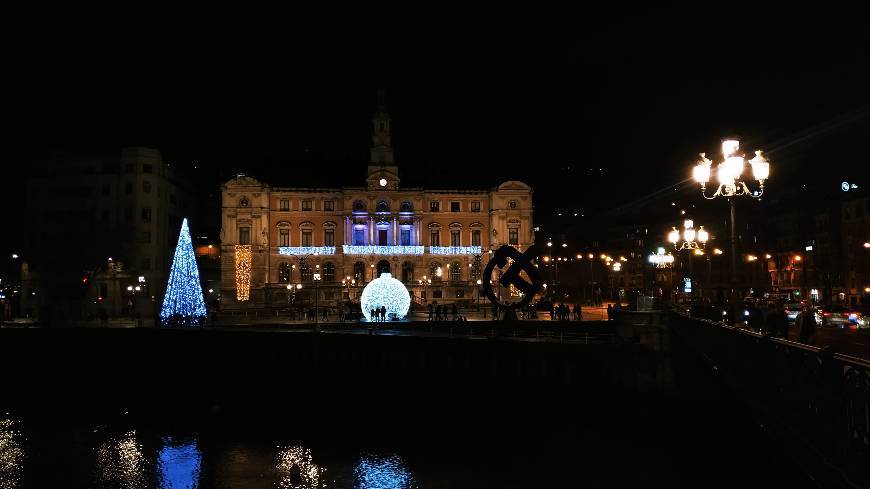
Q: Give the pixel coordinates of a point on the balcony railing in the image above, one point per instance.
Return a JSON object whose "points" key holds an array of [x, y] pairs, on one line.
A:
{"points": [[455, 250], [306, 250], [382, 250]]}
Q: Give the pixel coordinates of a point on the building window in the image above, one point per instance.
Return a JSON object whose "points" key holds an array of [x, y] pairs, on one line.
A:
{"points": [[405, 237], [359, 237], [407, 272], [305, 272], [383, 206], [436, 294], [434, 206], [359, 271], [475, 237], [329, 205], [476, 268], [434, 238], [244, 235], [284, 272], [406, 206], [513, 236], [454, 237], [146, 214], [434, 268], [306, 237], [284, 204], [128, 214], [146, 187], [475, 206], [128, 188], [329, 237], [513, 204], [284, 237], [306, 205], [455, 271], [107, 189], [454, 207], [329, 272], [359, 205]]}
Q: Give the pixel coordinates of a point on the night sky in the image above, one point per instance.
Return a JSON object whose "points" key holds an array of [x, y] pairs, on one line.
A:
{"points": [[632, 98]]}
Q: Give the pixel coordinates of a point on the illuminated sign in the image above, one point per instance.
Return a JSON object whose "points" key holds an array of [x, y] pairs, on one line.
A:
{"points": [[687, 285]]}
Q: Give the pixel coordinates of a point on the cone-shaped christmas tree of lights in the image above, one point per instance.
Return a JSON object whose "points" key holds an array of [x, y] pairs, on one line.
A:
{"points": [[183, 302]]}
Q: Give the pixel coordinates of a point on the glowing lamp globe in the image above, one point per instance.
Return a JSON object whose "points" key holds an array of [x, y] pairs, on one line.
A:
{"points": [[388, 292]]}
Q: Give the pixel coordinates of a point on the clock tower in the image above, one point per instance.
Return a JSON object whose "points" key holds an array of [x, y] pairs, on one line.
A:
{"points": [[383, 173]]}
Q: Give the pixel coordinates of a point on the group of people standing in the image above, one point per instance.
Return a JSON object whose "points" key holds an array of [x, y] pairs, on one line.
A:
{"points": [[378, 315], [563, 312], [439, 312], [770, 318]]}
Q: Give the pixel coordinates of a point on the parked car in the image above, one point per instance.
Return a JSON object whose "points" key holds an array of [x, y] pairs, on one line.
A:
{"points": [[791, 311]]}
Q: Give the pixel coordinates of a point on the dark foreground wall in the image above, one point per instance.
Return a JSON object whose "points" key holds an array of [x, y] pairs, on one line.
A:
{"points": [[303, 372]]}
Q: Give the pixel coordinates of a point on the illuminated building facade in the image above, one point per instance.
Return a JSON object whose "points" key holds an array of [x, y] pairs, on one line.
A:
{"points": [[360, 232]]}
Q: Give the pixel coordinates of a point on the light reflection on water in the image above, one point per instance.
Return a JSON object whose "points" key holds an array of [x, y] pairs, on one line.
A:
{"points": [[12, 453], [179, 463], [120, 462], [382, 472]]}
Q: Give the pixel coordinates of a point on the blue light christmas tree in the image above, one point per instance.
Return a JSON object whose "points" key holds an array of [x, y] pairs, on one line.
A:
{"points": [[183, 303]]}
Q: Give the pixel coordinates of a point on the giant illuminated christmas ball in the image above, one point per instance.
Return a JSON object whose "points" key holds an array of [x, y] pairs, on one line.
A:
{"points": [[385, 291]]}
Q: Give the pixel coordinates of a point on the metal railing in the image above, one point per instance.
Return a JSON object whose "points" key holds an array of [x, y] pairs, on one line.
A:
{"points": [[813, 399]]}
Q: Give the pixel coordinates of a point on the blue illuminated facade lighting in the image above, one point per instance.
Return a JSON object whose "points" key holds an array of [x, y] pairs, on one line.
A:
{"points": [[455, 250], [382, 250], [306, 250]]}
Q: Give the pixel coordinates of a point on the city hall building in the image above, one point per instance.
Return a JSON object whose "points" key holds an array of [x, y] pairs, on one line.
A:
{"points": [[332, 241]]}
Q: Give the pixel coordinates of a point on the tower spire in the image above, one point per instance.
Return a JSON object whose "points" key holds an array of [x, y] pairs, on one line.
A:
{"points": [[383, 173]]}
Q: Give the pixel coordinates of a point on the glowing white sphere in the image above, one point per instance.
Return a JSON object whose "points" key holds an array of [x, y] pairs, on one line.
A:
{"points": [[388, 292]]}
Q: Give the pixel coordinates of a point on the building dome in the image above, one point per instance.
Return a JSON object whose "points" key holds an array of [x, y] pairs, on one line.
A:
{"points": [[388, 292]]}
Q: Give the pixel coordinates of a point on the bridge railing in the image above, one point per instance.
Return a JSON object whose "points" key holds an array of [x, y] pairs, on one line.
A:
{"points": [[812, 399]]}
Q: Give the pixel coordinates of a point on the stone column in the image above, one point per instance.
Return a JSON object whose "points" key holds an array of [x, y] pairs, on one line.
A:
{"points": [[395, 231]]}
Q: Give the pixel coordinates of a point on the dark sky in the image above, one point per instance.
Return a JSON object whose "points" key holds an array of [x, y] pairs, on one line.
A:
{"points": [[543, 99]]}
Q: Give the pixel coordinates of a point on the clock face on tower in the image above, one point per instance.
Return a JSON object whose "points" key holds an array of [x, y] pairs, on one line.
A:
{"points": [[383, 182]]}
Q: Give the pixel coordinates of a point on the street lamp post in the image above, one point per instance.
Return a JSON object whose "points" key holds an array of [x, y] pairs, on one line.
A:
{"points": [[316, 301], [689, 239], [728, 175]]}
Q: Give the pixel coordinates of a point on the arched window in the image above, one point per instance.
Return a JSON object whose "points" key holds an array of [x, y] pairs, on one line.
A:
{"points": [[305, 272], [455, 271], [476, 269], [244, 202], [359, 271], [408, 272], [406, 206], [435, 271], [306, 231], [328, 272], [283, 272], [359, 205], [383, 206]]}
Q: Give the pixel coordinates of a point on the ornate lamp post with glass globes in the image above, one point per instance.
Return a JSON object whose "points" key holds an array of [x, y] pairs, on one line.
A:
{"points": [[730, 185], [690, 239]]}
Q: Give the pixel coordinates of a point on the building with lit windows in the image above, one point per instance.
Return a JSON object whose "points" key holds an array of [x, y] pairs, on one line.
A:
{"points": [[273, 237]]}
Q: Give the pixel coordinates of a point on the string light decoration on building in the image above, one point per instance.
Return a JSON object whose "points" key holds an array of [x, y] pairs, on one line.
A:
{"points": [[382, 250], [243, 272], [183, 303], [306, 250], [388, 292], [454, 250]]}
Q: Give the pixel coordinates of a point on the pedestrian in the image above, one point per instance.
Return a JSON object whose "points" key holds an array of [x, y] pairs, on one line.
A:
{"points": [[373, 316], [383, 313], [552, 312], [495, 312], [776, 323], [610, 312], [806, 325], [325, 316], [578, 315], [455, 311], [431, 310]]}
